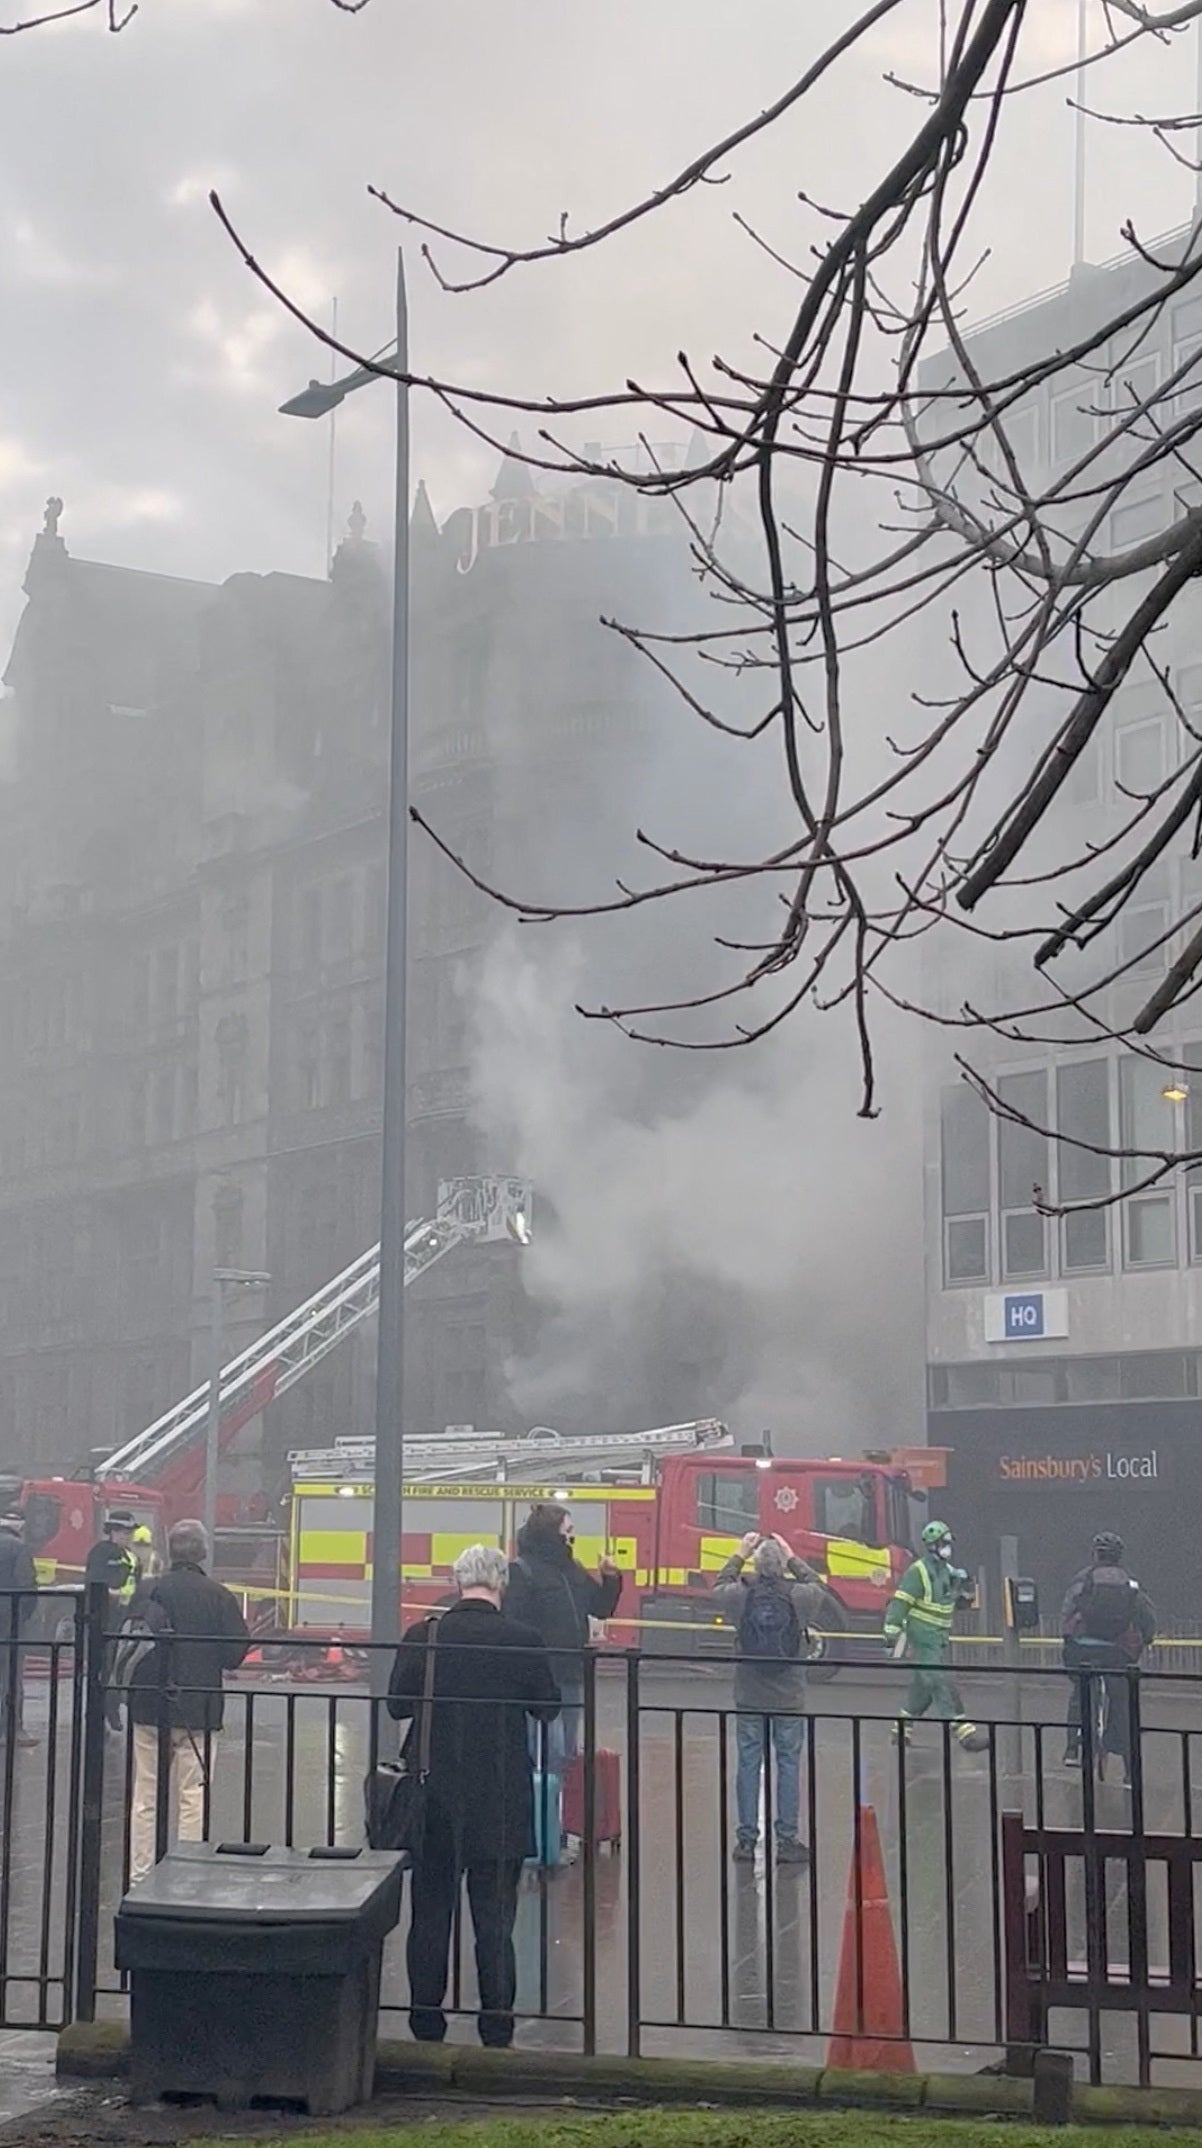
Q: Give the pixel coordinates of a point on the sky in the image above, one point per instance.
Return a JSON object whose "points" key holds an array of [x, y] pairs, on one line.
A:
{"points": [[142, 366]]}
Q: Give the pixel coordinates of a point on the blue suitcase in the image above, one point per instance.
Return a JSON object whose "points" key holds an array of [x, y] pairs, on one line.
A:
{"points": [[548, 1820]]}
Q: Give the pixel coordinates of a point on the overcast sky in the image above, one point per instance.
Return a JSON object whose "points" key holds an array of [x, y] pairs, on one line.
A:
{"points": [[142, 367]]}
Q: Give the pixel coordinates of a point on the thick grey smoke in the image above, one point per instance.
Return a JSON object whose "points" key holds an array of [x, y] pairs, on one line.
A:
{"points": [[717, 1234]]}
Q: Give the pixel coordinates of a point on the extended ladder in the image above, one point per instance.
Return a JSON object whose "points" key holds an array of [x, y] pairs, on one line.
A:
{"points": [[467, 1457], [480, 1209]]}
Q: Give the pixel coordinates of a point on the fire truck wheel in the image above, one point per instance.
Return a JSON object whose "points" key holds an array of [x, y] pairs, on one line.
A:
{"points": [[826, 1652]]}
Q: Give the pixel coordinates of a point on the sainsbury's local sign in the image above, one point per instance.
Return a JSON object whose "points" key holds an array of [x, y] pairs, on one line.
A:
{"points": [[1080, 1469]]}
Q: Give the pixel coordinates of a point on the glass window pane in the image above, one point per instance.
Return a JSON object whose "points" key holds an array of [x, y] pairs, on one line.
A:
{"points": [[1086, 1239], [971, 1387], [1022, 1150], [1139, 755], [1142, 941], [1036, 1383], [1154, 1374], [1074, 423], [1083, 1111], [1091, 1379], [1149, 1226], [964, 1142], [1023, 1243], [965, 1260], [1146, 1115]]}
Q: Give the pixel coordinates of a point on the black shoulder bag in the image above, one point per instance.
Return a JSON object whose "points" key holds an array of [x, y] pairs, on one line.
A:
{"points": [[394, 1793]]}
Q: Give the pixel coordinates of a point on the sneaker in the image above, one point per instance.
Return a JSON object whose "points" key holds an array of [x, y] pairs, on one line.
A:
{"points": [[791, 1851], [744, 1852], [900, 1734], [972, 1737]]}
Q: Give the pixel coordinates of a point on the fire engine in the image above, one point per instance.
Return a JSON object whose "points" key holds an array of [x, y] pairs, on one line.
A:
{"points": [[159, 1473], [669, 1506]]}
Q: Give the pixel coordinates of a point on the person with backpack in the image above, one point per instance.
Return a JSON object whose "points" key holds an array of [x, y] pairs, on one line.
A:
{"points": [[1106, 1623], [918, 1621], [770, 1611], [182, 1632], [550, 1590]]}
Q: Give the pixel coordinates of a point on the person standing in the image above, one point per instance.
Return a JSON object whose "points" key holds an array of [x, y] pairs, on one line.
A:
{"points": [[1106, 1623], [770, 1611], [920, 1613], [199, 1623], [19, 1586], [491, 1675], [550, 1590], [113, 1562]]}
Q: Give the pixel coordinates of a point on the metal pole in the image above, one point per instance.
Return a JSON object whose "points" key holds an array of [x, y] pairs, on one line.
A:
{"points": [[1079, 141], [390, 1351], [213, 1425]]}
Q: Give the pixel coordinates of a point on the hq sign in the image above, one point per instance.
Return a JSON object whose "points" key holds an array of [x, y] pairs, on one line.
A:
{"points": [[1025, 1316]]}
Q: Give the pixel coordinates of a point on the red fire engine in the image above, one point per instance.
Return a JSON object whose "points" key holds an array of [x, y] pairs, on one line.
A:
{"points": [[669, 1506]]}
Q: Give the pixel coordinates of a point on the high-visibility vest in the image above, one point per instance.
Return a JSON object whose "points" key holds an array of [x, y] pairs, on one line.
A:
{"points": [[924, 1602]]}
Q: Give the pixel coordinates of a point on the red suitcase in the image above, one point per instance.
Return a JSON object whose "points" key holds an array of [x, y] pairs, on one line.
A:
{"points": [[607, 1797]]}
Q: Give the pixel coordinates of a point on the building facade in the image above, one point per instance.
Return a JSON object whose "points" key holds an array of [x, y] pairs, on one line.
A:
{"points": [[1064, 1354], [192, 912]]}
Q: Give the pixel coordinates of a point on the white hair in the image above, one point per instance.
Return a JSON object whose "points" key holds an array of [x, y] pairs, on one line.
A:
{"points": [[769, 1561], [189, 1543], [481, 1566]]}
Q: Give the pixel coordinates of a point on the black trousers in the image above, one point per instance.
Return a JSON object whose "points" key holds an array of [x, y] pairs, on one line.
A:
{"points": [[492, 1893]]}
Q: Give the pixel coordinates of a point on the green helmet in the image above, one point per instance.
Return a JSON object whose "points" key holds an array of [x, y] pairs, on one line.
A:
{"points": [[936, 1532]]}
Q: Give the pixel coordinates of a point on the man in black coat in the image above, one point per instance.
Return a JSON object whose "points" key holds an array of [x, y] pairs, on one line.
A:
{"points": [[176, 1691], [491, 1675], [18, 1599], [551, 1591]]}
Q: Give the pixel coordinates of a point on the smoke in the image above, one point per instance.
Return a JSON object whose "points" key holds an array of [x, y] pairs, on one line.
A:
{"points": [[755, 1244], [716, 1234]]}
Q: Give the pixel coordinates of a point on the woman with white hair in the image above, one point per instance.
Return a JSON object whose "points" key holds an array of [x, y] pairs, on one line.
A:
{"points": [[490, 1676]]}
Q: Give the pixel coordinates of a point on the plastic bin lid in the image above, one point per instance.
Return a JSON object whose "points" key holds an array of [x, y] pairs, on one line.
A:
{"points": [[225, 1882]]}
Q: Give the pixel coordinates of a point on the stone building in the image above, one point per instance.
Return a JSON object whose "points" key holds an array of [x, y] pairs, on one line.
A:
{"points": [[192, 891]]}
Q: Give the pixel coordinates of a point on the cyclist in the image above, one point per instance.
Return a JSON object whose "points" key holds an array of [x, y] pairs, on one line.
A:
{"points": [[1106, 1623]]}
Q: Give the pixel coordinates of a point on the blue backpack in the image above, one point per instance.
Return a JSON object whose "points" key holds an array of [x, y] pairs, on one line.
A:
{"points": [[769, 1625]]}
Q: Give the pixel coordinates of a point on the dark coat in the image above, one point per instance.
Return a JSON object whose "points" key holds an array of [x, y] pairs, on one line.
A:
{"points": [[490, 1675], [17, 1571], [553, 1593], [207, 1636]]}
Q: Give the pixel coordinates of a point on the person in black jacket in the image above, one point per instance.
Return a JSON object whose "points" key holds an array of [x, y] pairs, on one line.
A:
{"points": [[551, 1591], [175, 1692], [19, 1586], [490, 1675]]}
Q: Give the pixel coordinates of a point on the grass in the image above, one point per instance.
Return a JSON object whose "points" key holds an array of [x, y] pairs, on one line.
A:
{"points": [[800, 2128]]}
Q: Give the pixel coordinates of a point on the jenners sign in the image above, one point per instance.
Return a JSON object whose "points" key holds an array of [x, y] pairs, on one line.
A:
{"points": [[1078, 1468]]}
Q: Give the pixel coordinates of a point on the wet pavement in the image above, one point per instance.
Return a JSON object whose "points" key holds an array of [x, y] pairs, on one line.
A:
{"points": [[729, 1959]]}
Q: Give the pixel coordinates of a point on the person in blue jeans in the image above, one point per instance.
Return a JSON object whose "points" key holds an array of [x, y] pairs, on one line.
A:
{"points": [[550, 1590], [770, 1608]]}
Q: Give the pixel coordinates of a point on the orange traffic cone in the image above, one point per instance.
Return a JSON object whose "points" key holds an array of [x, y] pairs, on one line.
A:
{"points": [[868, 1998]]}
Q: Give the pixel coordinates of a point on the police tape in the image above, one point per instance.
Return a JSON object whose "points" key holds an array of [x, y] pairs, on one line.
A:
{"points": [[252, 1591]]}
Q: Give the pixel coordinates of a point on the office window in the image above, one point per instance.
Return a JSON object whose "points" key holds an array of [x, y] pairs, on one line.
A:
{"points": [[1083, 1112], [1131, 386], [339, 921], [338, 1060], [308, 929], [964, 1184], [1143, 939], [1074, 423], [1146, 1124], [1083, 784], [1022, 1168], [162, 1104], [1135, 521], [1139, 755]]}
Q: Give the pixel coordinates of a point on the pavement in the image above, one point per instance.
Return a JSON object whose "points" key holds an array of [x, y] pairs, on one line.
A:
{"points": [[732, 1960]]}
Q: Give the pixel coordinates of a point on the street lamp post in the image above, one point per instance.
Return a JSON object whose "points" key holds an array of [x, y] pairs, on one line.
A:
{"points": [[314, 402], [223, 1279]]}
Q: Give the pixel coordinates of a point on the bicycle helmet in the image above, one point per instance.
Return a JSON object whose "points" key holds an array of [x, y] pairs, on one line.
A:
{"points": [[1108, 1548]]}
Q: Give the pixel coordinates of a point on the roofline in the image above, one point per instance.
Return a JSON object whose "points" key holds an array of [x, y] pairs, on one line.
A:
{"points": [[1060, 290]]}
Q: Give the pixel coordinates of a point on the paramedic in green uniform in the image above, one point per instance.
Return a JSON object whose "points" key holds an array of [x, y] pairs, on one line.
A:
{"points": [[921, 1611]]}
